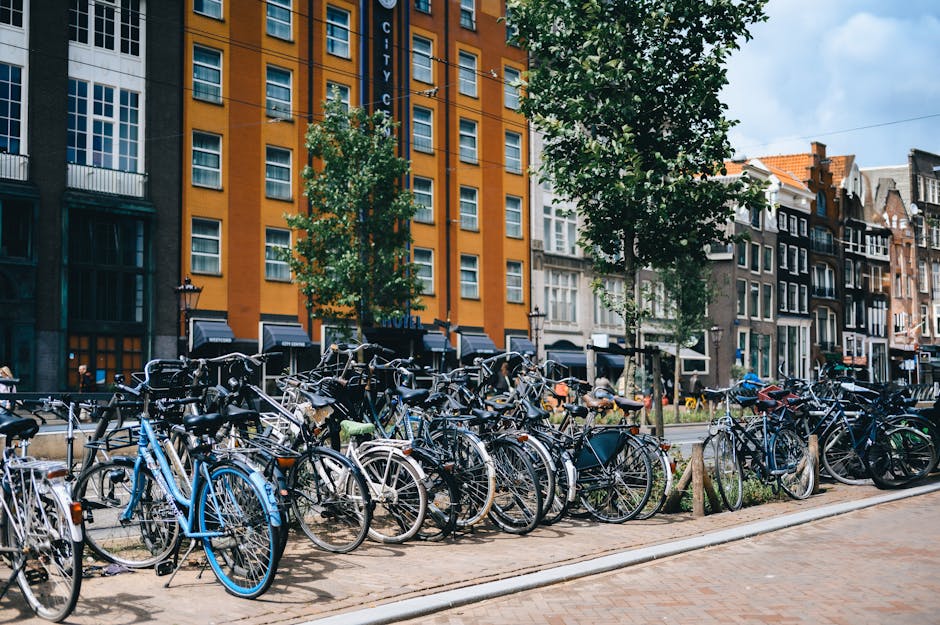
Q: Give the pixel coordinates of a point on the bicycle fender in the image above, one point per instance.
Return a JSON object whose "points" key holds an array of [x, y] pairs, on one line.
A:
{"points": [[63, 496], [572, 472], [269, 497]]}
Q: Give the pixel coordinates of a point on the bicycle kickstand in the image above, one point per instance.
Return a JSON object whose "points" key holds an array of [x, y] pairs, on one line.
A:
{"points": [[16, 571], [177, 562]]}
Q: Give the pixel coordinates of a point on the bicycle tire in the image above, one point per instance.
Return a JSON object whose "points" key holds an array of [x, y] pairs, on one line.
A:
{"points": [[517, 502], [566, 476], [245, 558], [840, 459], [617, 490], [662, 479], [440, 518], [330, 500], [473, 470], [48, 560], [544, 466], [790, 452], [899, 456], [399, 495], [923, 424], [104, 490], [728, 472]]}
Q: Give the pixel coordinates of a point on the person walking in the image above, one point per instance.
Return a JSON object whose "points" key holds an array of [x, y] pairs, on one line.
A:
{"points": [[6, 386], [86, 382]]}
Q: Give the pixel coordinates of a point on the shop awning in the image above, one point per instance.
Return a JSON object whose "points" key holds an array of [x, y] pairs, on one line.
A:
{"points": [[206, 332], [572, 360], [437, 343], [610, 361], [520, 344], [684, 353], [283, 335], [476, 345]]}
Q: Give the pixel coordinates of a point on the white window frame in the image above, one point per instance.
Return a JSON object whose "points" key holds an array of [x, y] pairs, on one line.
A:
{"points": [[275, 104], [422, 52], [279, 17], [423, 129], [468, 141], [337, 32], [469, 208], [514, 216], [343, 92], [424, 199], [469, 276], [514, 282], [276, 269], [13, 132], [210, 8], [560, 231], [275, 187], [511, 95], [741, 298], [468, 14], [211, 258], [467, 73], [214, 172], [513, 152], [767, 300], [203, 88], [561, 296], [423, 258]]}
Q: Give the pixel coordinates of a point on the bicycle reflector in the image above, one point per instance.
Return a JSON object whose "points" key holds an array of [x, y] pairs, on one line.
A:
{"points": [[75, 509], [286, 462], [522, 438], [406, 451], [56, 473]]}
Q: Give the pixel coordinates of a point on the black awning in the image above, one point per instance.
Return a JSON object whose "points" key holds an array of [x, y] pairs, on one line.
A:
{"points": [[572, 360], [278, 335], [206, 332], [610, 361], [476, 344], [437, 343], [520, 344]]}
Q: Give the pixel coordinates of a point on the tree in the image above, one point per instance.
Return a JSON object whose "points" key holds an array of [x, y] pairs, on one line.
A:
{"points": [[625, 93], [352, 260]]}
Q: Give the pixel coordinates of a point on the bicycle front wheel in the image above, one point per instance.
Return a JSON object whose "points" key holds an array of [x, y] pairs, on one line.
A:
{"points": [[616, 491], [899, 456], [243, 555], [518, 500], [148, 537], [473, 471], [330, 500], [840, 458], [400, 497], [791, 455], [728, 472], [48, 563]]}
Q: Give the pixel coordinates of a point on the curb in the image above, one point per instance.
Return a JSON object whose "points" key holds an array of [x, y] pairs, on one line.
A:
{"points": [[422, 606]]}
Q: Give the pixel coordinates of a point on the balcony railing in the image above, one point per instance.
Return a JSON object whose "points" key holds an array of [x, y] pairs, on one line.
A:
{"points": [[14, 167], [822, 246], [824, 291], [109, 181]]}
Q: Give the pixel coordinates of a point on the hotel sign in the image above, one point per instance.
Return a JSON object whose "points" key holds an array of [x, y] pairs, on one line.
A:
{"points": [[383, 56]]}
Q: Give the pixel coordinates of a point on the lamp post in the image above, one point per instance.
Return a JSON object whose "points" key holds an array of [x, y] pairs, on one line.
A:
{"points": [[536, 318], [187, 294], [716, 333]]}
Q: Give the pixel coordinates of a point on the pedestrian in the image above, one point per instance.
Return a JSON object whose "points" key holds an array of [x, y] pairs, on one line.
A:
{"points": [[500, 380], [86, 382], [6, 386]]}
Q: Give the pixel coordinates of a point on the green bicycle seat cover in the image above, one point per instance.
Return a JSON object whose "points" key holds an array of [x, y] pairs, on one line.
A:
{"points": [[354, 428]]}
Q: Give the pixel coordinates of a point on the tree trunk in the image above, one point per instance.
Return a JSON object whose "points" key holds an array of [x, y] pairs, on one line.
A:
{"points": [[676, 391], [631, 308]]}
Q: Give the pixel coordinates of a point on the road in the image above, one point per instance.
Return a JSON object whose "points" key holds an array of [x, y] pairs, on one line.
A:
{"points": [[879, 566]]}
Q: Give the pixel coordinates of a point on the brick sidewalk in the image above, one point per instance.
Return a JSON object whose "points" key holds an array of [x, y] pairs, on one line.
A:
{"points": [[312, 583]]}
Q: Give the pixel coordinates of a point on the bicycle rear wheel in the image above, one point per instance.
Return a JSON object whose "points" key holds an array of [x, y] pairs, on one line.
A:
{"points": [[728, 473], [791, 454], [399, 495], [899, 456], [840, 459], [151, 534], [244, 555], [518, 500], [473, 471], [48, 562], [661, 465], [440, 519], [616, 491]]}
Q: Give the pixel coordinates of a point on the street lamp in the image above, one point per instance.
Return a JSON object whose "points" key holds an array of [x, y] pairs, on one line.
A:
{"points": [[717, 332], [536, 318], [187, 294]]}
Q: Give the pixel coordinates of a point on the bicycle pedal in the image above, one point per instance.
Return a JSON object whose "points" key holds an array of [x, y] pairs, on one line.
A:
{"points": [[36, 576], [164, 568]]}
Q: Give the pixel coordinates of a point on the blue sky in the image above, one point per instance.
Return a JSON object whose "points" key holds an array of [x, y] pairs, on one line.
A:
{"points": [[847, 73]]}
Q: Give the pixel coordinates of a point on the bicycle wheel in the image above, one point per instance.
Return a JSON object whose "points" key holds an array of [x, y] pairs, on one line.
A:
{"points": [[544, 467], [440, 520], [473, 471], [791, 454], [922, 424], [330, 500], [566, 476], [518, 499], [728, 472], [617, 490], [899, 456], [398, 493], [662, 478], [244, 555], [839, 458], [148, 537], [48, 563]]}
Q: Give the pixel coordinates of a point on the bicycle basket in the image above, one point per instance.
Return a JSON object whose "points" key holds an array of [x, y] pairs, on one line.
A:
{"points": [[599, 449]]}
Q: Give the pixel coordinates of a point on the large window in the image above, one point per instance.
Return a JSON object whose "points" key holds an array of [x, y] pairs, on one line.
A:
{"points": [[513, 152], [421, 53], [754, 301], [277, 177], [209, 8], [741, 298], [423, 130], [513, 216], [423, 189], [276, 242], [468, 14], [102, 18], [561, 295], [511, 77], [560, 230], [514, 281], [11, 109], [467, 73], [469, 276], [825, 328], [424, 268], [823, 281], [206, 246], [767, 300], [469, 211], [468, 141], [114, 112], [207, 74], [602, 314], [337, 32], [207, 160], [278, 19], [278, 93]]}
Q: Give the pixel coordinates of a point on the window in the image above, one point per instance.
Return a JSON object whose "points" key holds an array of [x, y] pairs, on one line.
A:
{"points": [[11, 13], [514, 281], [923, 287], [935, 281], [206, 250], [278, 92], [825, 328], [877, 280], [768, 259], [792, 224], [804, 304], [781, 222], [11, 99], [925, 320], [821, 204], [511, 78], [128, 140], [209, 8], [339, 92], [513, 217], [742, 298], [767, 300], [16, 226], [337, 32], [78, 21], [276, 242], [207, 74], [803, 264], [755, 257], [604, 315], [423, 130], [469, 276], [102, 137], [793, 296], [754, 303], [513, 152], [421, 59], [277, 178], [741, 253], [792, 261], [468, 14], [561, 296], [110, 107], [782, 296], [104, 25], [849, 273], [560, 230], [802, 226], [279, 19], [782, 256], [468, 209], [424, 6], [423, 189], [468, 141], [130, 27], [824, 284], [424, 269], [207, 160], [77, 140], [754, 214], [467, 74]]}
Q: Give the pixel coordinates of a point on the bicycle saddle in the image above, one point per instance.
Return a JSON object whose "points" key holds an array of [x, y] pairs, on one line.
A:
{"points": [[497, 406], [412, 395], [596, 403], [627, 404], [576, 410], [21, 427]]}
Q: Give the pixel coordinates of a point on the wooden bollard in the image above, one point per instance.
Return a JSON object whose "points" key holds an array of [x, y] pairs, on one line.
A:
{"points": [[698, 480], [814, 458]]}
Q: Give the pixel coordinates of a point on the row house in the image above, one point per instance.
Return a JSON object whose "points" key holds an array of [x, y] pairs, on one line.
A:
{"points": [[924, 172]]}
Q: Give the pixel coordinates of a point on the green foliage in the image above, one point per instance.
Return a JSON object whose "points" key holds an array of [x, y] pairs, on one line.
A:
{"points": [[353, 258]]}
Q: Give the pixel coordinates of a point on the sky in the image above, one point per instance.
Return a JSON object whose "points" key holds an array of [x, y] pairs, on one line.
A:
{"points": [[861, 76]]}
